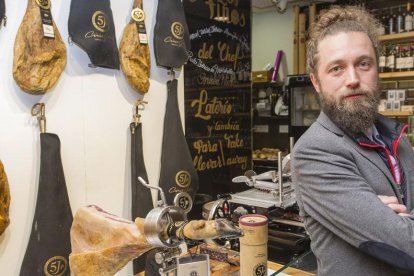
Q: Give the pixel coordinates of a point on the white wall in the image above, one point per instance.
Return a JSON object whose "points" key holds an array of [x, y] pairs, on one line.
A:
{"points": [[272, 31], [90, 110]]}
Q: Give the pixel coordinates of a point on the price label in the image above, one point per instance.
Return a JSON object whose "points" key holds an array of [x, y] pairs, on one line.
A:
{"points": [[47, 23]]}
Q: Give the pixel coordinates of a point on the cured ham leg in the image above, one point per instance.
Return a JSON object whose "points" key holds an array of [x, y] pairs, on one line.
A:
{"points": [[103, 243], [38, 62], [206, 229], [135, 56], [4, 200]]}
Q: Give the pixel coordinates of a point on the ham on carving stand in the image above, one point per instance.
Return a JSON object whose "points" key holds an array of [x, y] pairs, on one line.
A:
{"points": [[103, 243]]}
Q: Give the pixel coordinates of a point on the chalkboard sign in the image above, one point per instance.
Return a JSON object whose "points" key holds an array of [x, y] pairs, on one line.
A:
{"points": [[217, 91]]}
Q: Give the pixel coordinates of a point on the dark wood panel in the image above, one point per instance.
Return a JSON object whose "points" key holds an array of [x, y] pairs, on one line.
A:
{"points": [[217, 92]]}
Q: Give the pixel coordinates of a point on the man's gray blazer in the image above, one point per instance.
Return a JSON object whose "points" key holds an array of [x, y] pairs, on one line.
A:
{"points": [[338, 182]]}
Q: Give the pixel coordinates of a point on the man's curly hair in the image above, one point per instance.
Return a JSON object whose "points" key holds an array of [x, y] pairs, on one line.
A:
{"points": [[336, 20]]}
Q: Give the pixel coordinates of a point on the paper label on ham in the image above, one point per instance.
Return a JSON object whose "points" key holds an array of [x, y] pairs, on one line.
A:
{"points": [[47, 24], [46, 16]]}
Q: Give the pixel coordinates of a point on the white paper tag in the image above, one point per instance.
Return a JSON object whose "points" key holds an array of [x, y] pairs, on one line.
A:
{"points": [[48, 31], [143, 38]]}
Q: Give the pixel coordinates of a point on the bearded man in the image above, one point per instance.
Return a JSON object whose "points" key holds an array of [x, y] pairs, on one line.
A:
{"points": [[353, 168]]}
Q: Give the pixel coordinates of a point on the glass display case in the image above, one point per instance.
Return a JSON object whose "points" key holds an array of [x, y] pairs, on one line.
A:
{"points": [[304, 104]]}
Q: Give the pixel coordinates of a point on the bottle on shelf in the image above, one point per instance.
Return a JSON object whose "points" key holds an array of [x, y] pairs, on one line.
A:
{"points": [[385, 20], [404, 62], [240, 72], [247, 72], [400, 21], [408, 19], [409, 58], [399, 58], [407, 54], [392, 19], [381, 16], [412, 16], [390, 62], [382, 65]]}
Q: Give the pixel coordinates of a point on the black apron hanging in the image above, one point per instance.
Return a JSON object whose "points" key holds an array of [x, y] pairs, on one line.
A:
{"points": [[141, 196], [178, 176], [91, 27], [171, 37], [49, 245], [2, 13]]}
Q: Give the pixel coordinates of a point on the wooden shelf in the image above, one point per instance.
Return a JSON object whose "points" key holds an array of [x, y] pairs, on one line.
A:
{"points": [[399, 36], [396, 113], [390, 75], [268, 83]]}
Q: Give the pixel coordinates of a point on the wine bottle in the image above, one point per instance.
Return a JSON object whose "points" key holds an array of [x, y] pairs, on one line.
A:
{"points": [[410, 58], [399, 58], [408, 20], [382, 60], [400, 21], [385, 20], [380, 16], [406, 53], [391, 59], [391, 22]]}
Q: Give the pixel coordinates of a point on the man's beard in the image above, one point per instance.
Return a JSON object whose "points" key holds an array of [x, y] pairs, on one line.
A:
{"points": [[354, 116]]}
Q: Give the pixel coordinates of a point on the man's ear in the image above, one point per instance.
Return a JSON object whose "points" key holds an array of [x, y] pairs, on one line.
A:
{"points": [[315, 82]]}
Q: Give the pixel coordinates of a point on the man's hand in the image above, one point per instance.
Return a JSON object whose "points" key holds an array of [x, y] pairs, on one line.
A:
{"points": [[392, 202]]}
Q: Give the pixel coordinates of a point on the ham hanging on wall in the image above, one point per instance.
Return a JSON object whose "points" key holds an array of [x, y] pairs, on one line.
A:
{"points": [[4, 200], [39, 52], [134, 51]]}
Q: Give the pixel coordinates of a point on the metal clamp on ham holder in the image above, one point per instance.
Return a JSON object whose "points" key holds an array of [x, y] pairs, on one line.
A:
{"points": [[167, 227], [160, 219]]}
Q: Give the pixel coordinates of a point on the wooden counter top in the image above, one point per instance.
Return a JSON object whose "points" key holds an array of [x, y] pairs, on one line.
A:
{"points": [[218, 268], [290, 270], [271, 265]]}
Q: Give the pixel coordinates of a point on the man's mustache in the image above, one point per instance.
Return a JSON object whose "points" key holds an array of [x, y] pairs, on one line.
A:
{"points": [[355, 92]]}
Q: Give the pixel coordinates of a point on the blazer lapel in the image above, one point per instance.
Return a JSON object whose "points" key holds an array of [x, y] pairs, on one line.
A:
{"points": [[371, 155]]}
